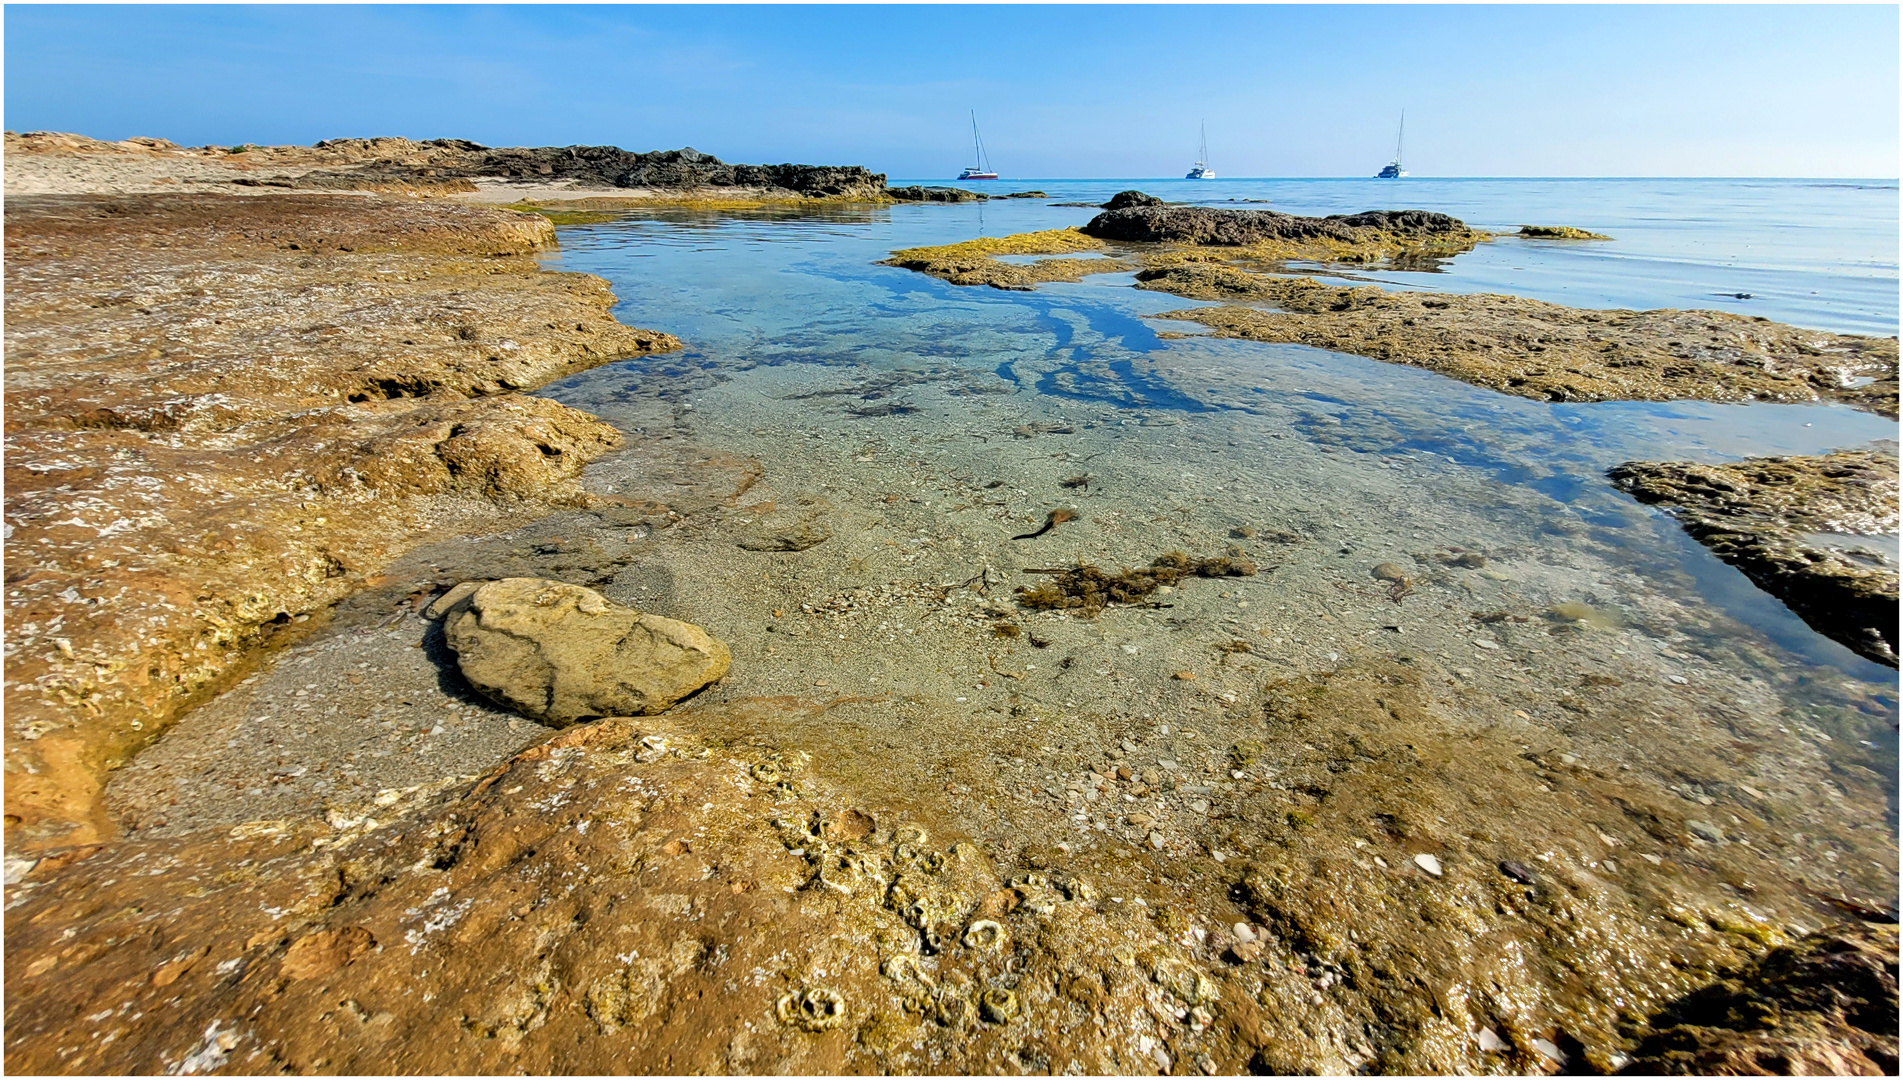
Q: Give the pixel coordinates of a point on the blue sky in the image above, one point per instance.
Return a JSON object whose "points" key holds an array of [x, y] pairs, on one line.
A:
{"points": [[1061, 91]]}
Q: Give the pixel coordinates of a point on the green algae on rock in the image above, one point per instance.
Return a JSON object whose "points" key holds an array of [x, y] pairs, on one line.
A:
{"points": [[1763, 515], [974, 262], [1559, 232], [1547, 351]]}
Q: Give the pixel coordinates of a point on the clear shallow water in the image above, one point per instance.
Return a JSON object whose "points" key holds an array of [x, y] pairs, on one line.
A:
{"points": [[751, 291]]}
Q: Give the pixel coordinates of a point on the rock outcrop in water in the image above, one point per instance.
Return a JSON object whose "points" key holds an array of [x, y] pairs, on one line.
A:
{"points": [[1763, 516], [919, 193], [1154, 223], [1545, 351], [1559, 232]]}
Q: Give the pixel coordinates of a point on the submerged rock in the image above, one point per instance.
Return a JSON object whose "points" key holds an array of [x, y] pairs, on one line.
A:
{"points": [[920, 193], [1824, 1005], [561, 653], [1764, 516]]}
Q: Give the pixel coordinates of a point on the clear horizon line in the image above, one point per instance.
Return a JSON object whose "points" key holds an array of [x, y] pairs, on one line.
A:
{"points": [[1233, 179]]}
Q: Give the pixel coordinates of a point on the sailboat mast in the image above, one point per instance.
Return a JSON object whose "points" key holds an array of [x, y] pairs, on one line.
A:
{"points": [[977, 145], [1399, 136]]}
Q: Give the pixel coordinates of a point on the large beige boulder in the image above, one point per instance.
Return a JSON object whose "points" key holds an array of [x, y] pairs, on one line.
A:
{"points": [[561, 653]]}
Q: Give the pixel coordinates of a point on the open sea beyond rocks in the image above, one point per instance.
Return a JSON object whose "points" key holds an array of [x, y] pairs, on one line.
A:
{"points": [[1485, 765]]}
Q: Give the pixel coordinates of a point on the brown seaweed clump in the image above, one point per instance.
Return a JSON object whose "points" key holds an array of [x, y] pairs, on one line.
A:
{"points": [[1090, 589]]}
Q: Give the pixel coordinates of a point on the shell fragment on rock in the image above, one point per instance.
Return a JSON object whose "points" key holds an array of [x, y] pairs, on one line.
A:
{"points": [[814, 1010]]}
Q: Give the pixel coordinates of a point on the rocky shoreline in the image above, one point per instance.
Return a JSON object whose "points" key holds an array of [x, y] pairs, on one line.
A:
{"points": [[1082, 838], [225, 414], [42, 162]]}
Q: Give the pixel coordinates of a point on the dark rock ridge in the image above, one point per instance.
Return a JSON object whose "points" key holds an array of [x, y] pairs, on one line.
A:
{"points": [[920, 193], [1824, 1005], [1236, 228], [613, 167]]}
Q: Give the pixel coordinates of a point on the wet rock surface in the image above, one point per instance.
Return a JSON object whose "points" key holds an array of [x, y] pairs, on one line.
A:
{"points": [[1824, 1005], [1547, 351], [224, 414], [559, 653], [1773, 517]]}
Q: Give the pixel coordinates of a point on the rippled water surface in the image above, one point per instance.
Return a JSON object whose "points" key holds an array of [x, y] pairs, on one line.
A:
{"points": [[805, 354]]}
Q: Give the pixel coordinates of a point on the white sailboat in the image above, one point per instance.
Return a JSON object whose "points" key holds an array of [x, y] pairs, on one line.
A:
{"points": [[1393, 170], [1202, 171], [982, 170]]}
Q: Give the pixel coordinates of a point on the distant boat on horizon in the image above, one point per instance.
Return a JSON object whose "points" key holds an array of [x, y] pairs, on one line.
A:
{"points": [[1393, 170], [982, 170], [1202, 170]]}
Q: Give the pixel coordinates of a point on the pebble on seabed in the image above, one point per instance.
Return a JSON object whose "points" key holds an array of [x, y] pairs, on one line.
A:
{"points": [[1428, 863]]}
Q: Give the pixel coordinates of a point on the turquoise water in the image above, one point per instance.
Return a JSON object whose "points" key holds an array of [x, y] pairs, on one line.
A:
{"points": [[752, 291]]}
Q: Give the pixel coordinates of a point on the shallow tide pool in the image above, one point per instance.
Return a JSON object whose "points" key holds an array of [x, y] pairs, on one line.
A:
{"points": [[1401, 522]]}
